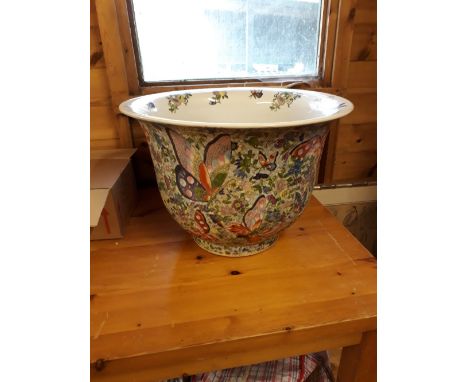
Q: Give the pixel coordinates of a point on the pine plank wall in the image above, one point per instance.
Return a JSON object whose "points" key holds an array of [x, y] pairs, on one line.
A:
{"points": [[355, 156], [103, 120]]}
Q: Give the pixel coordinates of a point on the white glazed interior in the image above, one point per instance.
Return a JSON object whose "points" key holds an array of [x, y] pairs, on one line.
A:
{"points": [[240, 109]]}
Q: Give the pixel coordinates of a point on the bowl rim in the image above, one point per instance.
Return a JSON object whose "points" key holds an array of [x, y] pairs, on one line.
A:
{"points": [[126, 108]]}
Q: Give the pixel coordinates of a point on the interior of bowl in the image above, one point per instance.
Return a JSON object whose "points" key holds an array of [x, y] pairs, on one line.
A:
{"points": [[238, 107]]}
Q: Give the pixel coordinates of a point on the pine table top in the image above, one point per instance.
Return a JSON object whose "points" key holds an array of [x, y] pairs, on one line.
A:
{"points": [[161, 306]]}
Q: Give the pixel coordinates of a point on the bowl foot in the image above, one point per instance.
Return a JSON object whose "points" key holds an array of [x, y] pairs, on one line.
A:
{"points": [[235, 251]]}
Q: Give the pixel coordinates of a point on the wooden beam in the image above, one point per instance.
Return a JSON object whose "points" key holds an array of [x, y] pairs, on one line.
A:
{"points": [[339, 73], [115, 63], [359, 362], [330, 42], [127, 43], [346, 14]]}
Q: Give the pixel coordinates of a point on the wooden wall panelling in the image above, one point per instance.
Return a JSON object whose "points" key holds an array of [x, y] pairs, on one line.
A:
{"points": [[101, 144], [365, 108], [115, 64], [97, 55], [357, 138], [356, 147], [364, 46], [366, 12], [93, 16], [362, 74], [99, 90], [103, 121], [356, 152], [351, 166]]}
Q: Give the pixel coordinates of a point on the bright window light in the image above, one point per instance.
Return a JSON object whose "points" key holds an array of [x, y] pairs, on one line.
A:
{"points": [[227, 39]]}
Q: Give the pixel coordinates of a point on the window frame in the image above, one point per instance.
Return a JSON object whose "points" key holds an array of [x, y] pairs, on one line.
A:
{"points": [[337, 28], [327, 34]]}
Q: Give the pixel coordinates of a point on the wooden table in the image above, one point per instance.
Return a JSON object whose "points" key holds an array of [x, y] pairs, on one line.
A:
{"points": [[162, 307]]}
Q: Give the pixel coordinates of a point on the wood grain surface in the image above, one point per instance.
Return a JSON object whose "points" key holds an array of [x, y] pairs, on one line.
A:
{"points": [[161, 306]]}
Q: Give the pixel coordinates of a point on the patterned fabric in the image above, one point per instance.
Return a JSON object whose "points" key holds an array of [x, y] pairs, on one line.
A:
{"points": [[314, 367]]}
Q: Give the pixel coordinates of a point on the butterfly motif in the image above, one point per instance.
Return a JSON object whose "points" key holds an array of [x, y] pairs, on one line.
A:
{"points": [[270, 163], [203, 229], [251, 221], [312, 145], [199, 179], [267, 164], [259, 175]]}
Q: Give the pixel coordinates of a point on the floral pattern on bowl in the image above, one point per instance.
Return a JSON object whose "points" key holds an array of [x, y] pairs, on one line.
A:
{"points": [[175, 101], [283, 98], [217, 97], [237, 174], [235, 190]]}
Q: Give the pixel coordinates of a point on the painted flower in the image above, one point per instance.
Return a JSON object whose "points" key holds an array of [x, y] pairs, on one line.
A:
{"points": [[238, 204], [245, 185], [280, 99], [174, 101], [295, 170], [217, 97], [283, 98], [240, 173]]}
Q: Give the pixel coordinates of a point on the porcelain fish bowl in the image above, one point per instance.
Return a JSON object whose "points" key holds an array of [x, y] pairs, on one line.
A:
{"points": [[236, 166]]}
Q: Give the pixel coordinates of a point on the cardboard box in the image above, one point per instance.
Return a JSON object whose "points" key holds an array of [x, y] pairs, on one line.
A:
{"points": [[113, 192]]}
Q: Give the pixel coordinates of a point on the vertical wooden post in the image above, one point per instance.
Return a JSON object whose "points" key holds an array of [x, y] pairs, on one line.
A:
{"points": [[115, 64], [345, 31], [359, 362], [127, 45], [339, 75]]}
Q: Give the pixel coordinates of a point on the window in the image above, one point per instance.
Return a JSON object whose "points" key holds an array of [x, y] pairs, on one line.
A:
{"points": [[204, 40]]}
